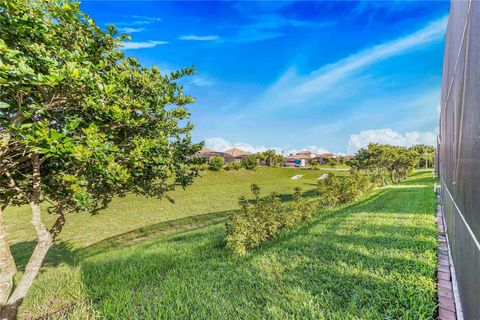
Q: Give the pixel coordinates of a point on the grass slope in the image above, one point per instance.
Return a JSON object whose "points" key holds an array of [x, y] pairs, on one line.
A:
{"points": [[213, 192], [368, 260], [133, 218]]}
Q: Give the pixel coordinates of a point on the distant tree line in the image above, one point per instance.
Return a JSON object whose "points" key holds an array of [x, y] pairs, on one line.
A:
{"points": [[386, 163]]}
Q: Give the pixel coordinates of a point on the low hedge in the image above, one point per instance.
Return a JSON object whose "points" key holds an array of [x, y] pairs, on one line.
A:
{"points": [[216, 163], [335, 190], [260, 219], [233, 166]]}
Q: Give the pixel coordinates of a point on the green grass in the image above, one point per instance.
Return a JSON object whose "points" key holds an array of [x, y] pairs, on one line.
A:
{"points": [[368, 260], [213, 192]]}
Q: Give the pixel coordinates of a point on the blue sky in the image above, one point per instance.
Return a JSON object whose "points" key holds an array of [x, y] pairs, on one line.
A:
{"points": [[296, 75]]}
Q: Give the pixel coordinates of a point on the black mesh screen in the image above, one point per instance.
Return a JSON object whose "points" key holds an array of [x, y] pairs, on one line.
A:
{"points": [[459, 148]]}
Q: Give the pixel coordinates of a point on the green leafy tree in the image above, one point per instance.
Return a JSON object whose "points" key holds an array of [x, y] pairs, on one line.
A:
{"points": [[278, 160], [269, 157], [424, 155], [384, 161], [314, 164], [216, 163], [332, 162], [79, 124], [250, 162]]}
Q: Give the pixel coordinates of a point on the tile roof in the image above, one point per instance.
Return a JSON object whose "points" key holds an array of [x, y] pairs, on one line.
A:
{"points": [[204, 150], [235, 152]]}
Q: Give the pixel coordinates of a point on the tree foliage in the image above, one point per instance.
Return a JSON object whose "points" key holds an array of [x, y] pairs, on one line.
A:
{"points": [[234, 165], [425, 155], [384, 162], [314, 164], [216, 163], [250, 162], [81, 123]]}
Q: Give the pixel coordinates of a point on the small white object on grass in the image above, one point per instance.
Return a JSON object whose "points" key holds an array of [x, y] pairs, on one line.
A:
{"points": [[323, 176], [296, 177]]}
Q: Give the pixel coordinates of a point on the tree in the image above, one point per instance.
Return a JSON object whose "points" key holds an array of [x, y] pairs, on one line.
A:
{"points": [[383, 161], [332, 162], [250, 162], [424, 155], [268, 157], [216, 163], [314, 164], [79, 124], [278, 160]]}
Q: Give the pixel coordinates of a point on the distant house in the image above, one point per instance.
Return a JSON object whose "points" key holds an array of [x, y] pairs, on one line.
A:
{"points": [[328, 155], [320, 159], [237, 154], [305, 154], [208, 154], [323, 156], [299, 159], [292, 161]]}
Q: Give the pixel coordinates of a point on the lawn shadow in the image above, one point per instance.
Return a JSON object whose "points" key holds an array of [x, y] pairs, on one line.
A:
{"points": [[61, 251], [193, 275]]}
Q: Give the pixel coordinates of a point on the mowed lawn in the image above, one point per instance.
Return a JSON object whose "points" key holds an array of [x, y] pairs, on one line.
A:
{"points": [[208, 200], [374, 259]]}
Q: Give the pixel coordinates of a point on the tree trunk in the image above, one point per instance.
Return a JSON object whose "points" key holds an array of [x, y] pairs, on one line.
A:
{"points": [[8, 268], [45, 241]]}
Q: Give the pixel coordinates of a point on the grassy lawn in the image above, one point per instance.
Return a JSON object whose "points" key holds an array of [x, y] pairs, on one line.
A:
{"points": [[214, 192], [372, 259]]}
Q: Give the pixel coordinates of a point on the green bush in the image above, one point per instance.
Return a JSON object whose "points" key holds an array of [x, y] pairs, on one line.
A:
{"points": [[216, 163], [201, 166], [338, 190], [233, 166], [250, 162], [263, 218]]}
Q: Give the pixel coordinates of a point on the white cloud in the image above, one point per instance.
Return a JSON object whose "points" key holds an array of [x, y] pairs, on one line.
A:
{"points": [[392, 137], [221, 144], [193, 37], [130, 30], [270, 26], [202, 81], [147, 18], [292, 88], [131, 45], [138, 21]]}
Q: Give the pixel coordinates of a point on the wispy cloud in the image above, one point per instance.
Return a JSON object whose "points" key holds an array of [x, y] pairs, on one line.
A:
{"points": [[136, 20], [130, 30], [145, 18], [291, 88], [270, 26], [198, 38], [202, 81], [245, 7], [132, 45]]}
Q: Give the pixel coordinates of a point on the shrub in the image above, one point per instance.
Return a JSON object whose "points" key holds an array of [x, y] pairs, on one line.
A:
{"points": [[250, 162], [338, 190], [201, 166], [263, 218], [233, 166], [314, 164], [216, 163]]}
